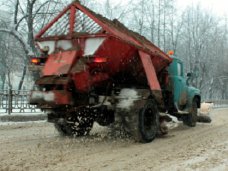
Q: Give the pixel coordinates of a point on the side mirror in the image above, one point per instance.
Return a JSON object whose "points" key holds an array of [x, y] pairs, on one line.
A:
{"points": [[189, 74]]}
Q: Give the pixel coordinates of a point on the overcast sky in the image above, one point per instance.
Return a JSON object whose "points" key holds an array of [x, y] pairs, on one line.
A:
{"points": [[219, 7]]}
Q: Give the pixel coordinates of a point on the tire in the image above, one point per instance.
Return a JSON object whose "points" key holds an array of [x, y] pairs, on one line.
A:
{"points": [[191, 119], [75, 125], [144, 124]]}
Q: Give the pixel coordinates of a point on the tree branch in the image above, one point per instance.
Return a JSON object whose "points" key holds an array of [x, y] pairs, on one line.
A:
{"points": [[16, 35]]}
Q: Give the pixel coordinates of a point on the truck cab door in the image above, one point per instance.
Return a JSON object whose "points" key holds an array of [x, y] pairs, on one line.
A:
{"points": [[178, 81], [181, 88]]}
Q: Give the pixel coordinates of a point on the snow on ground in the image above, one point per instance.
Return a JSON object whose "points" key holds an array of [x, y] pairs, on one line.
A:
{"points": [[21, 123], [37, 146], [21, 114]]}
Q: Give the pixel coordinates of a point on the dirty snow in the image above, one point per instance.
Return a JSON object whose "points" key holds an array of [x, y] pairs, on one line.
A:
{"points": [[91, 45], [127, 98], [37, 146], [47, 96], [64, 44], [21, 123], [50, 44]]}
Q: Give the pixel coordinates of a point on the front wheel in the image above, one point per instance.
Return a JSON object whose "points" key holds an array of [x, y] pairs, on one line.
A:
{"points": [[191, 118], [148, 121]]}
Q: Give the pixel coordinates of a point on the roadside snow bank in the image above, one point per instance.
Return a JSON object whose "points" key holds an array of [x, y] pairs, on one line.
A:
{"points": [[22, 117], [20, 123]]}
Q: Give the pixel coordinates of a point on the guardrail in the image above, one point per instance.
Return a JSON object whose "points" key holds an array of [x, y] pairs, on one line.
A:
{"points": [[16, 101]]}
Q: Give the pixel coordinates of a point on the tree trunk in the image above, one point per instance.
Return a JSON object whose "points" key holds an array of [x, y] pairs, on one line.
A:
{"points": [[22, 78], [3, 79], [16, 14], [164, 27], [159, 21], [9, 80], [30, 22]]}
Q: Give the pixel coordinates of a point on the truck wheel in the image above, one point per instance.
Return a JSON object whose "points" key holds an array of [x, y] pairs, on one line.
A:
{"points": [[144, 125], [191, 118], [78, 125]]}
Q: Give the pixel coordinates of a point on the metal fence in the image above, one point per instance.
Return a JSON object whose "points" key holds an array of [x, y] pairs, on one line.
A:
{"points": [[16, 101]]}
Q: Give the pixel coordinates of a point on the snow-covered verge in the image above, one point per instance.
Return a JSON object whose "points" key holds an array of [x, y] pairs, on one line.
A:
{"points": [[20, 123], [19, 117]]}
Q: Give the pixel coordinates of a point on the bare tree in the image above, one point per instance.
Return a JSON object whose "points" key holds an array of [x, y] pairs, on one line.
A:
{"points": [[11, 57], [26, 15], [197, 37], [203, 47]]}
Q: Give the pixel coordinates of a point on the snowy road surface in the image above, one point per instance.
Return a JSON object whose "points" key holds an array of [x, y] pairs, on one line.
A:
{"points": [[37, 146]]}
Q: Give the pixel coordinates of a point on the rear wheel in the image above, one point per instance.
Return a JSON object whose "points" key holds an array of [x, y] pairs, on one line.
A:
{"points": [[191, 118], [75, 124]]}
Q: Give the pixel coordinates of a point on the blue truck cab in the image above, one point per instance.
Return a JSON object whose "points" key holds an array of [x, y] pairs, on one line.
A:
{"points": [[185, 98]]}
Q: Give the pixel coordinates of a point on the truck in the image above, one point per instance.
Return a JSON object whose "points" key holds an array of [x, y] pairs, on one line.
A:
{"points": [[96, 70]]}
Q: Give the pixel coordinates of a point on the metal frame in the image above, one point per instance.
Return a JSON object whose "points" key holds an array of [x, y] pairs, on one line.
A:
{"points": [[108, 26]]}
